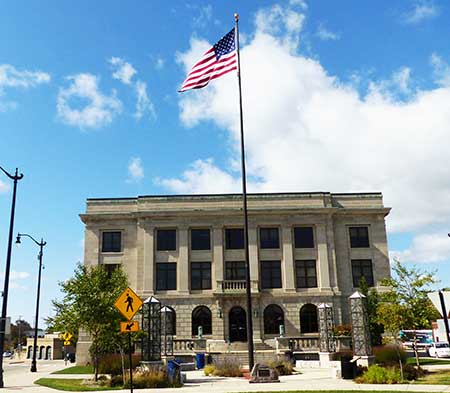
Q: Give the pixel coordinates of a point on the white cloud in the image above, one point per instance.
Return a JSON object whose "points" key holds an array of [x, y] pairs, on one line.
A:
{"points": [[307, 130], [441, 70], [426, 248], [421, 10], [143, 104], [124, 71], [204, 16], [326, 35], [159, 63], [135, 170], [99, 110], [12, 78], [4, 187], [202, 177], [15, 279]]}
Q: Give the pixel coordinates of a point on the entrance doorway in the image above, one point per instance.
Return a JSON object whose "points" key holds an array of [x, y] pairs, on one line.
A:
{"points": [[237, 324]]}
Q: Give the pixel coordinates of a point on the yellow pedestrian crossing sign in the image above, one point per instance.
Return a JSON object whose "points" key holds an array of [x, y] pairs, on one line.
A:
{"points": [[128, 303], [66, 337], [130, 326]]}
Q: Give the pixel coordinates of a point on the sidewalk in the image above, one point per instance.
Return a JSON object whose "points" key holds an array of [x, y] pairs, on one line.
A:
{"points": [[310, 379]]}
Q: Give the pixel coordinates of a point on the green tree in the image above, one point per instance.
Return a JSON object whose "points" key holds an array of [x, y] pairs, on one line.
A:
{"points": [[88, 304], [18, 333], [371, 294], [405, 305]]}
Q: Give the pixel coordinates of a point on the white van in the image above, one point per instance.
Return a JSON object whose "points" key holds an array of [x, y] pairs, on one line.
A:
{"points": [[439, 350]]}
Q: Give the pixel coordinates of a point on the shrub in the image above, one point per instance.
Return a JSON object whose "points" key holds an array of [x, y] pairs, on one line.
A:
{"points": [[112, 363], [116, 380], [388, 355], [342, 330], [228, 367], [380, 375], [282, 366], [412, 373], [209, 369]]}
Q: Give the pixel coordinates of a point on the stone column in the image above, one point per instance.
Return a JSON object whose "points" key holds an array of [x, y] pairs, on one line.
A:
{"points": [[91, 246], [217, 256], [148, 286], [253, 252], [288, 260], [322, 252], [183, 261]]}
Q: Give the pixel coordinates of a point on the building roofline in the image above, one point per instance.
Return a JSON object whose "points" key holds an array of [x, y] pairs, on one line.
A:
{"points": [[234, 195]]}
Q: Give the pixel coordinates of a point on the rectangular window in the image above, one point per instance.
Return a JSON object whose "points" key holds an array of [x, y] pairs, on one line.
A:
{"points": [[234, 238], [270, 274], [359, 237], [306, 274], [200, 239], [166, 276], [304, 237], [269, 238], [166, 239], [110, 268], [235, 270], [201, 275], [111, 241], [362, 268]]}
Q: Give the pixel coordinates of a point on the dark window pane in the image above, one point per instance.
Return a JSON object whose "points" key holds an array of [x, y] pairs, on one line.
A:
{"points": [[166, 276], [234, 238], [201, 275], [235, 270], [269, 238], [359, 237], [201, 316], [110, 268], [362, 268], [306, 274], [308, 319], [304, 237], [273, 318], [112, 241], [166, 239], [270, 274], [200, 239]]}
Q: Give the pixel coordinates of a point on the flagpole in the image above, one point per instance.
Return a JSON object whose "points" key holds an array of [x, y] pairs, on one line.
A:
{"points": [[244, 197]]}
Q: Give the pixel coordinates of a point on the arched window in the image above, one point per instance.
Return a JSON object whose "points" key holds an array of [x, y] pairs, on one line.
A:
{"points": [[169, 320], [201, 316], [308, 319], [273, 318]]}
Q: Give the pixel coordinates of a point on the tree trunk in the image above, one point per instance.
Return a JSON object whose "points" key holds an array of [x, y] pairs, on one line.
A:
{"points": [[416, 352], [399, 360], [123, 363]]}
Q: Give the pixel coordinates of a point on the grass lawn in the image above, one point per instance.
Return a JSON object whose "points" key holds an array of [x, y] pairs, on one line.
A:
{"points": [[71, 385], [426, 361], [441, 377], [76, 370]]}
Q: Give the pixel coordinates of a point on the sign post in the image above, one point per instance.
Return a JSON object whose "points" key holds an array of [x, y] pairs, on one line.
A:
{"points": [[128, 303]]}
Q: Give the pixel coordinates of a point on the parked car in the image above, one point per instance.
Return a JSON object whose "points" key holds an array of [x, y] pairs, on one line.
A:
{"points": [[439, 350]]}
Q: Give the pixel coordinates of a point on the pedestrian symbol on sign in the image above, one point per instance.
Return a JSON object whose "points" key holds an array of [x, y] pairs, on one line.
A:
{"points": [[129, 302]]}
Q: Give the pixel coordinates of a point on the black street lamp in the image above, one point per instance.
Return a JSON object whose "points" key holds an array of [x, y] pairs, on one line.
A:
{"points": [[41, 245], [15, 178]]}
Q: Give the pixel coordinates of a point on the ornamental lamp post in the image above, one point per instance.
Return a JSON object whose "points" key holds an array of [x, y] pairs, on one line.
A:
{"points": [[15, 178], [41, 245]]}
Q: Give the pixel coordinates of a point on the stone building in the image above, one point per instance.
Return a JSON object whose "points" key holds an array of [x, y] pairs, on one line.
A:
{"points": [[187, 250]]}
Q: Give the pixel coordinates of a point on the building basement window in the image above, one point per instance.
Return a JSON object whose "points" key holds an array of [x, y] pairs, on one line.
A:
{"points": [[362, 268], [201, 275], [112, 241], [359, 237], [200, 239], [166, 240], [166, 276], [304, 237], [234, 238]]}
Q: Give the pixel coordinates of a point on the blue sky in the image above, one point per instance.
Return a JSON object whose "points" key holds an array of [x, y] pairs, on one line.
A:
{"points": [[340, 97]]}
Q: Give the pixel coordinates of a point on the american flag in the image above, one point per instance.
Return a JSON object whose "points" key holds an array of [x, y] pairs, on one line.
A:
{"points": [[217, 61]]}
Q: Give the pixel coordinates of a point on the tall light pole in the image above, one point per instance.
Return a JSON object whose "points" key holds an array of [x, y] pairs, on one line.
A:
{"points": [[15, 178], [41, 245]]}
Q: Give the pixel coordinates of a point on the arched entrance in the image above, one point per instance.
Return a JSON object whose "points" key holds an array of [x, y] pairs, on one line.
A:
{"points": [[237, 324]]}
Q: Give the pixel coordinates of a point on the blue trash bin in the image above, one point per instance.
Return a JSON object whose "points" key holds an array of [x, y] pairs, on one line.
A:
{"points": [[200, 360], [174, 371]]}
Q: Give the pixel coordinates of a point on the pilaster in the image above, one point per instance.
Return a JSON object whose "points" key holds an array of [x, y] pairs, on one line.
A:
{"points": [[288, 259], [322, 251], [183, 261]]}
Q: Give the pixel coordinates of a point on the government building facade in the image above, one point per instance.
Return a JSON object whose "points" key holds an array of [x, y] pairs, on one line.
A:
{"points": [[188, 252]]}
